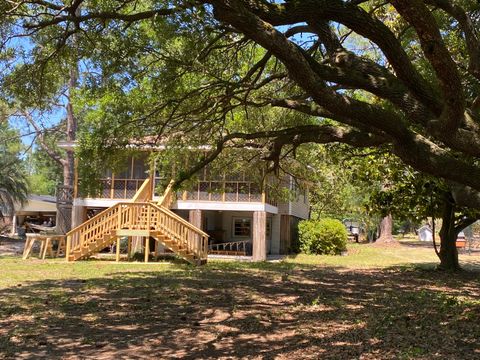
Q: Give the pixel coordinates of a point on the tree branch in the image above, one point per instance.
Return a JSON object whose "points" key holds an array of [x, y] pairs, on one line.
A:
{"points": [[54, 155], [418, 15]]}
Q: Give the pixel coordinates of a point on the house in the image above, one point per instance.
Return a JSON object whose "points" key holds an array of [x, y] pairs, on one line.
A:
{"points": [[38, 209], [226, 215]]}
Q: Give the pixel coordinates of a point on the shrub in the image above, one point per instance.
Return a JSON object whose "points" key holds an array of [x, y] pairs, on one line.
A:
{"points": [[325, 236]]}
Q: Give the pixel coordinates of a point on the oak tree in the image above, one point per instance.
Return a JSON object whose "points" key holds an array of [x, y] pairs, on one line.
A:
{"points": [[402, 75]]}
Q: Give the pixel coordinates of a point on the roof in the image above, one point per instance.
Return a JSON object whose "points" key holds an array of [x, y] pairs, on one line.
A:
{"points": [[425, 227], [36, 204]]}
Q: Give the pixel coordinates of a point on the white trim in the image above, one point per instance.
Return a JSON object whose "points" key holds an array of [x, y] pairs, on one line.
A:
{"points": [[224, 206], [98, 202], [188, 205]]}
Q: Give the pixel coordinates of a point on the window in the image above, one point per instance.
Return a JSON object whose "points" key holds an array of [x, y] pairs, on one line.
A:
{"points": [[242, 227]]}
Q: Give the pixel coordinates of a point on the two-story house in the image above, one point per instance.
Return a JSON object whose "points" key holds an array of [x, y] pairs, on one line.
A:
{"points": [[239, 217]]}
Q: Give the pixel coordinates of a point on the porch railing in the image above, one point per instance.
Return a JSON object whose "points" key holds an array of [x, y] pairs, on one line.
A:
{"points": [[227, 191], [239, 248], [224, 191], [114, 188]]}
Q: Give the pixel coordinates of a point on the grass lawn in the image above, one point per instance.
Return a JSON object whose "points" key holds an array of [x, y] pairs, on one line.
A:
{"points": [[375, 303]]}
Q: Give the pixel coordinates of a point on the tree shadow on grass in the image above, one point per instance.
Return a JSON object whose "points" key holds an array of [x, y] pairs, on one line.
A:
{"points": [[236, 310]]}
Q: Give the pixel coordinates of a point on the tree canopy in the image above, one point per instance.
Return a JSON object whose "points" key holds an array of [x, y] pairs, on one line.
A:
{"points": [[404, 75], [13, 179]]}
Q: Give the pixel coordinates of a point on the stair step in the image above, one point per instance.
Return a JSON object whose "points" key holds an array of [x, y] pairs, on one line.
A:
{"points": [[156, 229]]}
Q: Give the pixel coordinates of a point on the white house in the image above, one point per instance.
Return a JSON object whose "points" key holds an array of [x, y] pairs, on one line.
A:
{"points": [[232, 209]]}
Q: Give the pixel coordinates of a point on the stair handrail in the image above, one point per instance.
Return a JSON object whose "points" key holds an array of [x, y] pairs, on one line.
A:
{"points": [[144, 193], [78, 229], [137, 195], [180, 219], [92, 219], [167, 198], [157, 207], [108, 219]]}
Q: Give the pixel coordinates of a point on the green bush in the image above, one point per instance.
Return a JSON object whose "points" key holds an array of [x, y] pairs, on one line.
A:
{"points": [[325, 236]]}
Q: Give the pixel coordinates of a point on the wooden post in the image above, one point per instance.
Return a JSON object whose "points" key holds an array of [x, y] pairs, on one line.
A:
{"points": [[132, 164], [75, 178], [117, 258], [149, 216], [119, 218], [285, 234], [224, 190], [259, 236], [28, 246], [129, 248], [46, 244], [14, 225], [68, 247], [112, 187], [195, 218], [147, 248]]}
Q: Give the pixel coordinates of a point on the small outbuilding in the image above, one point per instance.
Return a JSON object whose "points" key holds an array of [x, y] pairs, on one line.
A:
{"points": [[39, 210], [425, 233]]}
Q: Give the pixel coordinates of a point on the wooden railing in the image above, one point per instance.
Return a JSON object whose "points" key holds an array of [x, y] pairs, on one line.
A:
{"points": [[227, 191], [118, 188], [96, 233], [90, 232], [230, 248], [144, 193], [182, 231], [167, 198]]}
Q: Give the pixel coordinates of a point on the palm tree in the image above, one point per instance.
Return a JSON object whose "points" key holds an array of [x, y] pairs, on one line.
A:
{"points": [[13, 184]]}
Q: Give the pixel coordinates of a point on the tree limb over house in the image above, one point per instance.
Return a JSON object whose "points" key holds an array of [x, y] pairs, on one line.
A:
{"points": [[419, 96]]}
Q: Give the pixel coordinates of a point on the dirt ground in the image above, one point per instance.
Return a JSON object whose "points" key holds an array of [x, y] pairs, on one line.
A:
{"points": [[282, 310], [11, 247]]}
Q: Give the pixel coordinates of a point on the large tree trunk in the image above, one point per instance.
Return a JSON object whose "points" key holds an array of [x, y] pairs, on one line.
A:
{"points": [[65, 214], [448, 236], [68, 168], [386, 228]]}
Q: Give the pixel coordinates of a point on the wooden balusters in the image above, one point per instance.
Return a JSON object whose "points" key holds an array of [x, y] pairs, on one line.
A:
{"points": [[154, 220]]}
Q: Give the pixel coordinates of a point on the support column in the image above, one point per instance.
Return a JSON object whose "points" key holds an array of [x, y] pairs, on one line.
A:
{"points": [[137, 244], [195, 218], [14, 225], [78, 215], [147, 248], [129, 248], [259, 236], [117, 250], [275, 235]]}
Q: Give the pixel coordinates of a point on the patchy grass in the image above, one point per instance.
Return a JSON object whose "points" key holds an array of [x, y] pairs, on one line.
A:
{"points": [[371, 256], [367, 256], [371, 304]]}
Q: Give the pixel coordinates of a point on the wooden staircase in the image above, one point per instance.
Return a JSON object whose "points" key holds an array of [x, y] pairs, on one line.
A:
{"points": [[139, 217]]}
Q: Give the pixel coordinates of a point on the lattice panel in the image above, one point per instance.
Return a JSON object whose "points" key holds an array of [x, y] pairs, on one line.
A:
{"points": [[119, 189], [132, 187], [64, 219], [204, 190]]}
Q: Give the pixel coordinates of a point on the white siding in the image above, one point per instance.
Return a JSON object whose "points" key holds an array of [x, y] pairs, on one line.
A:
{"points": [[300, 207]]}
